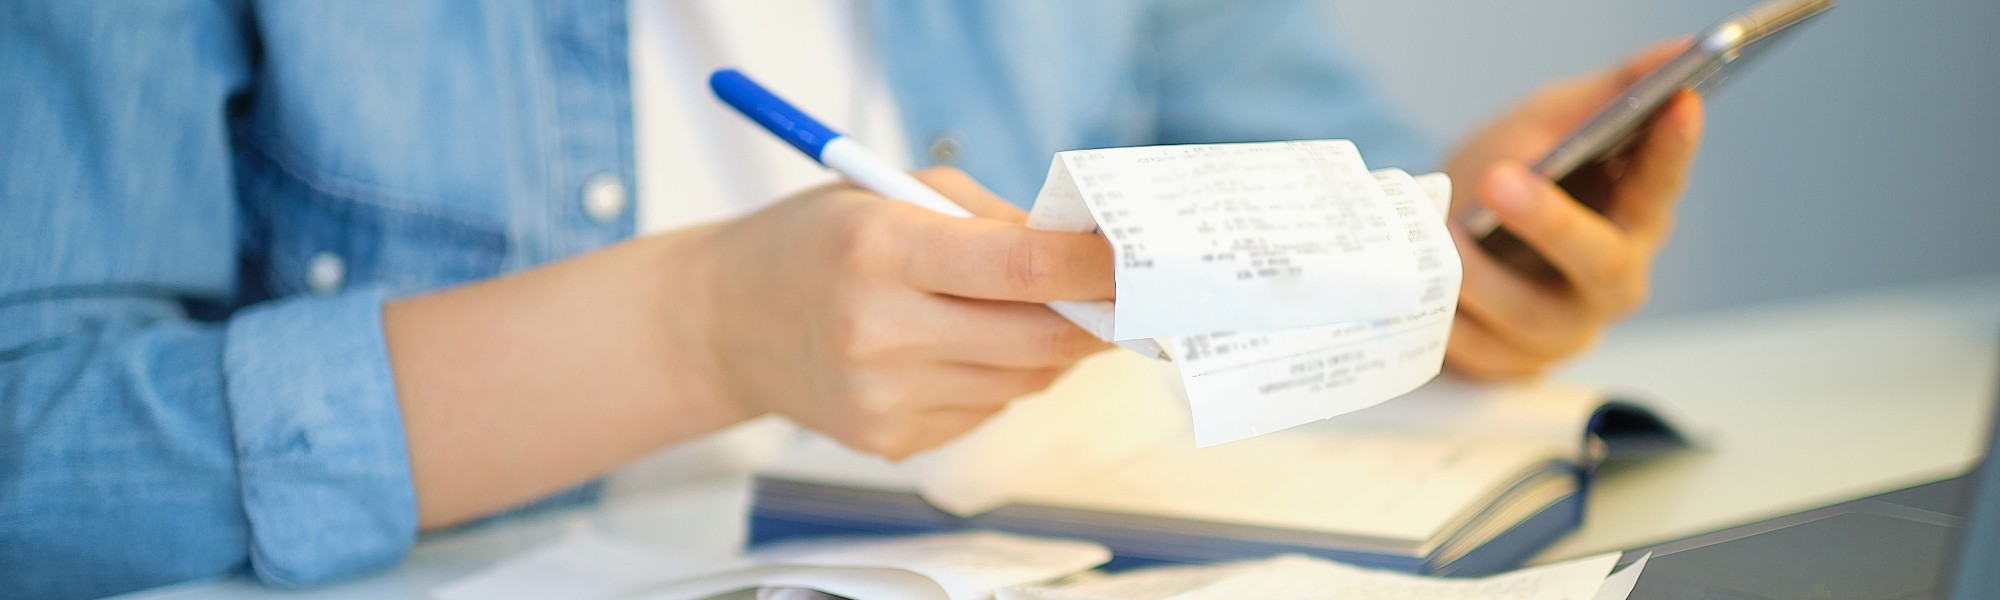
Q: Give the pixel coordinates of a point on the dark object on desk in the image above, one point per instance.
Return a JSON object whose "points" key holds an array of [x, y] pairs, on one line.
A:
{"points": [[1939, 540]]}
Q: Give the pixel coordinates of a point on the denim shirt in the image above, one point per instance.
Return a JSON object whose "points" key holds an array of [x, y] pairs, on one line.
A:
{"points": [[204, 205]]}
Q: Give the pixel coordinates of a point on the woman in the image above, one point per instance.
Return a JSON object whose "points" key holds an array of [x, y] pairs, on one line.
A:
{"points": [[287, 283]]}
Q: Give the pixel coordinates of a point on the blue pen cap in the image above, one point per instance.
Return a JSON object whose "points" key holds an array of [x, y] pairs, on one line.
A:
{"points": [[775, 114]]}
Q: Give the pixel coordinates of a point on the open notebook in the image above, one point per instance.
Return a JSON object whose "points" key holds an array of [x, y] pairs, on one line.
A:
{"points": [[1454, 479]]}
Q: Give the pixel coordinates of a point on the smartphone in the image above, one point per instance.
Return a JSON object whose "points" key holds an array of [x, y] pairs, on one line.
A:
{"points": [[1601, 143]]}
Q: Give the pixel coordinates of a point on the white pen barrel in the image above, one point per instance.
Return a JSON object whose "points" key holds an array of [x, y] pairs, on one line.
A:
{"points": [[864, 168]]}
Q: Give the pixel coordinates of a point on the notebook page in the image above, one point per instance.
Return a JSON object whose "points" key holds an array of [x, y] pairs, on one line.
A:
{"points": [[1402, 491], [1450, 407]]}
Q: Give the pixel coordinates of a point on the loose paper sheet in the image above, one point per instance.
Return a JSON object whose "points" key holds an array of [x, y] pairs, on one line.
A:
{"points": [[1290, 283], [1397, 490], [953, 566], [1620, 584], [580, 566]]}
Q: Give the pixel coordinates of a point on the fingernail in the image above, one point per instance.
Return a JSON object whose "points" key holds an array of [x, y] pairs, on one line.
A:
{"points": [[1510, 188]]}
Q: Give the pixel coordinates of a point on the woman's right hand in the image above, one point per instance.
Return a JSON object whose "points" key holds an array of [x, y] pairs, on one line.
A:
{"points": [[888, 327]]}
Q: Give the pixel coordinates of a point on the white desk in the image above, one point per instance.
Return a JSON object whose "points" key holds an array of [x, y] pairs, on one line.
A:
{"points": [[1803, 403]]}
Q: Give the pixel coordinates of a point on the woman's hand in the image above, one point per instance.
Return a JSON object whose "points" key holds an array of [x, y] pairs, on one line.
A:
{"points": [[1513, 321], [886, 326]]}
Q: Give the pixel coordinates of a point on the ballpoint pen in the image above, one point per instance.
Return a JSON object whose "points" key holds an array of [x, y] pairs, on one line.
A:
{"points": [[845, 156]]}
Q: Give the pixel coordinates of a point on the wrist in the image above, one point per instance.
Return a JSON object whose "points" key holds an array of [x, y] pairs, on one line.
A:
{"points": [[683, 291]]}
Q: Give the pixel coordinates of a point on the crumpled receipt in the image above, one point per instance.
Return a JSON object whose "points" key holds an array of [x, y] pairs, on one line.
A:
{"points": [[1286, 281]]}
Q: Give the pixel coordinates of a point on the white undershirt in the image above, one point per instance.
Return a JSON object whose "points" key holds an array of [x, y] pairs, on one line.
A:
{"points": [[699, 161]]}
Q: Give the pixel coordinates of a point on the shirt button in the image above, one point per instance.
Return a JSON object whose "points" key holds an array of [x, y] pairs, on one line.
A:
{"points": [[604, 197], [945, 150], [325, 272]]}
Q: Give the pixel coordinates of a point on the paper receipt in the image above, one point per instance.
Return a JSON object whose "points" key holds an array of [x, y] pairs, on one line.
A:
{"points": [[1287, 281]]}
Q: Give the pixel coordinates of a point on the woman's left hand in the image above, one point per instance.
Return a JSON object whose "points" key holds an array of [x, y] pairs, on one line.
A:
{"points": [[1516, 322]]}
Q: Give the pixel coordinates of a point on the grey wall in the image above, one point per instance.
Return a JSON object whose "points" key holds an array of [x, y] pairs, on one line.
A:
{"points": [[1863, 151]]}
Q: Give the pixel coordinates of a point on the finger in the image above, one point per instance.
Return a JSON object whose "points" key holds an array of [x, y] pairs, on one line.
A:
{"points": [[1006, 334], [962, 189], [1545, 322], [1474, 350], [1590, 251], [1656, 175], [976, 258]]}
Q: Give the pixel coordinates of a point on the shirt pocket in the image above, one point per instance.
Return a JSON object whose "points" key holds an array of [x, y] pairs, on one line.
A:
{"points": [[304, 233]]}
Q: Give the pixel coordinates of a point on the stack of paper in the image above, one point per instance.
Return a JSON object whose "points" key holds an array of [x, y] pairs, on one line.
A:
{"points": [[1287, 282]]}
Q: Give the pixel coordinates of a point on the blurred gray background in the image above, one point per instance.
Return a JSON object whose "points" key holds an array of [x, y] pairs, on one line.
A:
{"points": [[1863, 151]]}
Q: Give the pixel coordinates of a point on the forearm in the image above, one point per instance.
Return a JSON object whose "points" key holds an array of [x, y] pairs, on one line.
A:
{"points": [[523, 385]]}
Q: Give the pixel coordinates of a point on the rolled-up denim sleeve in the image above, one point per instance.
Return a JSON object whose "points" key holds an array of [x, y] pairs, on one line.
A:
{"points": [[318, 438], [145, 449], [153, 428]]}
